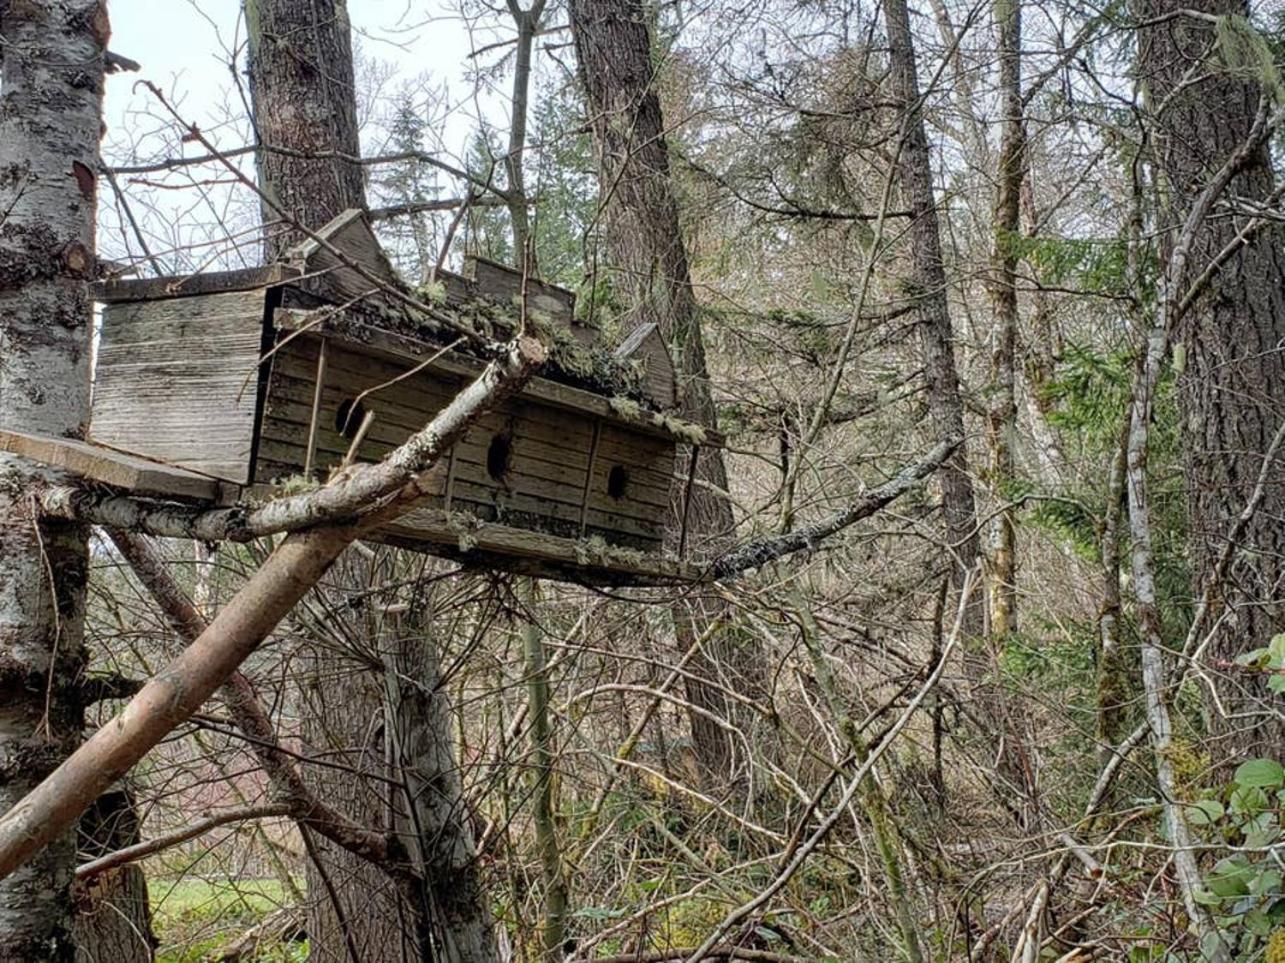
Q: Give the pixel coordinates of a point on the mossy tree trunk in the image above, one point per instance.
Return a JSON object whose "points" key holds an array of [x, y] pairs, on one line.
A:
{"points": [[303, 102], [1228, 350]]}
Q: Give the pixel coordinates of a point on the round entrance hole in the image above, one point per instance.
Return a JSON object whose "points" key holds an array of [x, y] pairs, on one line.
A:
{"points": [[498, 455], [617, 480], [349, 416]]}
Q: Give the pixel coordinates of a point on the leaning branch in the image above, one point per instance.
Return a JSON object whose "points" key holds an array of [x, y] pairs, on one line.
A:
{"points": [[284, 780], [394, 486]]}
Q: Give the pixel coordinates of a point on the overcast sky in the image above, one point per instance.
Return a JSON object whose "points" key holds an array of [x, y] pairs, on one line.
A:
{"points": [[184, 47]]}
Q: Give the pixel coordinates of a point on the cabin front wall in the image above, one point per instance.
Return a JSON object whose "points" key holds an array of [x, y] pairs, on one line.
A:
{"points": [[526, 465]]}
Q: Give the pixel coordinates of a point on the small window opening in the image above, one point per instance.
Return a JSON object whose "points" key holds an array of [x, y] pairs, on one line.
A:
{"points": [[349, 417], [498, 455], [617, 480]]}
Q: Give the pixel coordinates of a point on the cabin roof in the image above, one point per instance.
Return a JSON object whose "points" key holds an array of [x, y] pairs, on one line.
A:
{"points": [[323, 291]]}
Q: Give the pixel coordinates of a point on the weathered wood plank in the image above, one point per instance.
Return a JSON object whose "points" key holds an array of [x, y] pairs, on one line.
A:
{"points": [[348, 232], [532, 553], [188, 285], [646, 344], [176, 380], [502, 283], [130, 473], [534, 465], [560, 437]]}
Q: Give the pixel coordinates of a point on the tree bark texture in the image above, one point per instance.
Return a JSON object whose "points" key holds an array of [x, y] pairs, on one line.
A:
{"points": [[1001, 549], [928, 288], [645, 242], [50, 111], [429, 804], [113, 924], [344, 720], [1230, 349], [303, 99]]}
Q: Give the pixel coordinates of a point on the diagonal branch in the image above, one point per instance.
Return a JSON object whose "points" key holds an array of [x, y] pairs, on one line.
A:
{"points": [[760, 551], [286, 784], [298, 563]]}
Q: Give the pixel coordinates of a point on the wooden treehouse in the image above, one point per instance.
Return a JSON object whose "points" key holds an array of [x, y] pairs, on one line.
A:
{"points": [[216, 387]]}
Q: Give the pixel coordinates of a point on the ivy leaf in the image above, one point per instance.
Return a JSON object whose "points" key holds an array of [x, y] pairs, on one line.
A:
{"points": [[1230, 878], [1276, 650]]}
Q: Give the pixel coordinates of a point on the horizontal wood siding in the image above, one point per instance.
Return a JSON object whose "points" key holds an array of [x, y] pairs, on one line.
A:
{"points": [[544, 486], [176, 380]]}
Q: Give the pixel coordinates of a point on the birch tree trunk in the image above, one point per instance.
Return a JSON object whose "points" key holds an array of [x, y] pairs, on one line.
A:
{"points": [[652, 276], [1229, 351], [50, 111]]}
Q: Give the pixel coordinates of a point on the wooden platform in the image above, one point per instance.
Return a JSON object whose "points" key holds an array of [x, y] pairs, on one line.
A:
{"points": [[117, 469], [453, 535]]}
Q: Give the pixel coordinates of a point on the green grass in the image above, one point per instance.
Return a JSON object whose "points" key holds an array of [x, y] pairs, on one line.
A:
{"points": [[194, 917]]}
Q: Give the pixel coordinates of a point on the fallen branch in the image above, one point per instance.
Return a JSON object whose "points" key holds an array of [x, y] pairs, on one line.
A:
{"points": [[285, 925], [714, 953]]}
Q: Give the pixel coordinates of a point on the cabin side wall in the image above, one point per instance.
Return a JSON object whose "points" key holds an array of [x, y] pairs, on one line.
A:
{"points": [[176, 380], [524, 465]]}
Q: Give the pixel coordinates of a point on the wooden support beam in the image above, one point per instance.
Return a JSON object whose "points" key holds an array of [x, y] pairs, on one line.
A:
{"points": [[318, 388], [208, 282], [687, 501]]}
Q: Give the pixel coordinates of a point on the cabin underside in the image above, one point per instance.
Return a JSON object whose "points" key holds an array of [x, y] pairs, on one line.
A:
{"points": [[453, 535]]}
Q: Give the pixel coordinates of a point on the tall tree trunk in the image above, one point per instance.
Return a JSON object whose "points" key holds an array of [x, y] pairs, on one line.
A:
{"points": [[928, 281], [304, 100], [527, 23], [386, 721], [1001, 576], [645, 242], [945, 402], [543, 794], [50, 115], [1229, 389], [430, 807]]}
